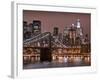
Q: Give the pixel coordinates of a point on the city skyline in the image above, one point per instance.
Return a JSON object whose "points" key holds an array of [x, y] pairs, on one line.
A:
{"points": [[58, 19]]}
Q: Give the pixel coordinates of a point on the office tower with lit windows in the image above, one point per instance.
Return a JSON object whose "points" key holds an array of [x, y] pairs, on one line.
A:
{"points": [[66, 36], [36, 27], [55, 31], [27, 30], [72, 34], [79, 32]]}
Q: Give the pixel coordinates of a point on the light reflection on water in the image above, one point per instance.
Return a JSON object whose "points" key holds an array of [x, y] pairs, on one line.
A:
{"points": [[60, 62], [71, 59]]}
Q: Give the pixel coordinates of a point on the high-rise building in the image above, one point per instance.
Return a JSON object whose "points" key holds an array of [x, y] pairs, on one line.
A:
{"points": [[72, 34], [79, 34], [26, 30], [55, 31], [30, 27], [65, 32], [24, 26], [78, 23], [36, 27], [79, 29], [66, 36]]}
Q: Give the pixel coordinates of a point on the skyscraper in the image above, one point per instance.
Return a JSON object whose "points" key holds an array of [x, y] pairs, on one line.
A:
{"points": [[36, 27], [78, 23], [55, 31]]}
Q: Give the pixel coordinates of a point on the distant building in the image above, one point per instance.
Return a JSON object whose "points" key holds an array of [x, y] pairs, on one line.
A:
{"points": [[27, 30], [30, 27], [25, 26], [36, 27], [74, 34], [78, 25], [55, 31]]}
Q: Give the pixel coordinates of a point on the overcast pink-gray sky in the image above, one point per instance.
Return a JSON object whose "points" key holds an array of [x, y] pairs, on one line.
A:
{"points": [[49, 20]]}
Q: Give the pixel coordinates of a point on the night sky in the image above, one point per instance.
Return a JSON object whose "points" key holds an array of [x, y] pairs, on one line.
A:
{"points": [[49, 20]]}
